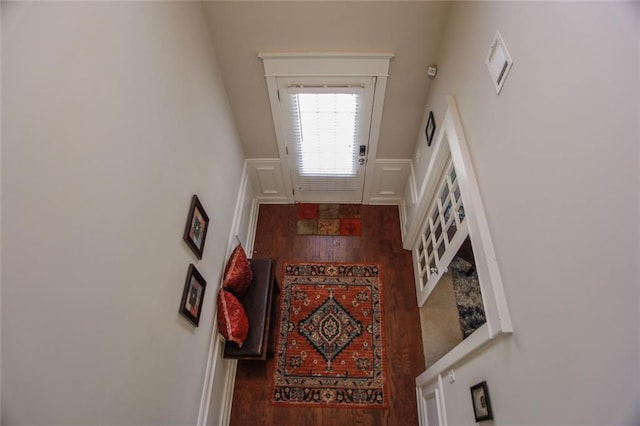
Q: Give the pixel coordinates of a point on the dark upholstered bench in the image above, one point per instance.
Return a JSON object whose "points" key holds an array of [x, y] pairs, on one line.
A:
{"points": [[259, 303]]}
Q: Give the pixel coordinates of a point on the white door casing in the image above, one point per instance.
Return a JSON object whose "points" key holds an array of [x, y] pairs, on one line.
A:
{"points": [[431, 406], [332, 67]]}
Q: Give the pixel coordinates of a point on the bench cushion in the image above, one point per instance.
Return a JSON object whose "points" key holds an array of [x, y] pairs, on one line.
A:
{"points": [[237, 272], [233, 323], [257, 302]]}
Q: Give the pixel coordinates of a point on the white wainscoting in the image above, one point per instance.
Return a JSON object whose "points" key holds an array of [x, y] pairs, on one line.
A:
{"points": [[431, 405], [220, 373], [408, 202], [389, 181], [387, 184], [267, 180]]}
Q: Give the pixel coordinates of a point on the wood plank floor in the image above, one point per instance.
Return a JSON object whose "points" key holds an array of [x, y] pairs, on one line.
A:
{"points": [[380, 242]]}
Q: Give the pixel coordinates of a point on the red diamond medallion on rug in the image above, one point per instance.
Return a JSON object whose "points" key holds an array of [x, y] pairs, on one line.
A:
{"points": [[331, 349]]}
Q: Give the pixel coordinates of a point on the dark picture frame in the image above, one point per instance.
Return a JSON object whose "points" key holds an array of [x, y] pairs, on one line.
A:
{"points": [[193, 295], [481, 403], [430, 129], [195, 233]]}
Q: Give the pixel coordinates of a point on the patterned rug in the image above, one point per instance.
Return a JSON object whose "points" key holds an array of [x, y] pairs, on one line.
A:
{"points": [[329, 219], [331, 349]]}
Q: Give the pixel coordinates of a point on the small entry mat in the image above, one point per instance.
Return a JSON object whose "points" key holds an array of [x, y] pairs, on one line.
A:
{"points": [[329, 219]]}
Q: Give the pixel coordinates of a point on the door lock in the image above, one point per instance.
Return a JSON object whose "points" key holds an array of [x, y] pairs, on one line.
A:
{"points": [[361, 161]]}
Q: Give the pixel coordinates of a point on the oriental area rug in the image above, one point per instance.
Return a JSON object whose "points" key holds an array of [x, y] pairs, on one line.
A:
{"points": [[329, 219], [331, 347]]}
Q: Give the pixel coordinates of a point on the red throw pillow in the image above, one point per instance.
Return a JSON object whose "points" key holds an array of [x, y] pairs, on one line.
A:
{"points": [[233, 323], [237, 273]]}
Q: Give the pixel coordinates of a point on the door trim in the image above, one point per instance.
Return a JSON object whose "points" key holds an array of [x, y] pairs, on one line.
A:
{"points": [[435, 389], [327, 65]]}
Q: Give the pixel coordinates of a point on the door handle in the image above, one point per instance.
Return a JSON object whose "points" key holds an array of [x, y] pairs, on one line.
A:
{"points": [[363, 150]]}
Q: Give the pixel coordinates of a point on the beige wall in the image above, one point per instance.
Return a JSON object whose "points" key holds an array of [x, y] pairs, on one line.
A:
{"points": [[411, 30], [113, 115], [557, 161]]}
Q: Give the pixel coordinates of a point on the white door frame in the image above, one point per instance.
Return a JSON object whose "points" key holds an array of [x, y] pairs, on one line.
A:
{"points": [[327, 65]]}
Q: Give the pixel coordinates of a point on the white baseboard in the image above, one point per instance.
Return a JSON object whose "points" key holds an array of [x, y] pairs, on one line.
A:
{"points": [[402, 212], [230, 383], [205, 399]]}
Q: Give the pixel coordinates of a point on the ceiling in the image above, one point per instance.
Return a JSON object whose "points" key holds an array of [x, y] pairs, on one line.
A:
{"points": [[411, 30]]}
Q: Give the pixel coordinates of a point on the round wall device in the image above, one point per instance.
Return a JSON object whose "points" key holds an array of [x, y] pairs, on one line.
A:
{"points": [[432, 70]]}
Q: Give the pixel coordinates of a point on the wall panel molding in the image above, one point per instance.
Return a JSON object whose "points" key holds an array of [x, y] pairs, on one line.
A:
{"points": [[389, 181], [267, 180]]}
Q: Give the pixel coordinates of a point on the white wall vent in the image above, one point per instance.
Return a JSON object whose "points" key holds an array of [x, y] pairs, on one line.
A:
{"points": [[498, 61]]}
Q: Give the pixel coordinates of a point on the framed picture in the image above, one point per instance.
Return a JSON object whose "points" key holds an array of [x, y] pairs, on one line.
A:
{"points": [[195, 232], [430, 129], [193, 295], [481, 403]]}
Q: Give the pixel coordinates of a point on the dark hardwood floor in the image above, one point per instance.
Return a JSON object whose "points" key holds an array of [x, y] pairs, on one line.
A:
{"points": [[380, 242]]}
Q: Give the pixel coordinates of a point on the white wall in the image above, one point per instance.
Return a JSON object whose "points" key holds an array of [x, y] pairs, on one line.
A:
{"points": [[113, 114], [557, 160]]}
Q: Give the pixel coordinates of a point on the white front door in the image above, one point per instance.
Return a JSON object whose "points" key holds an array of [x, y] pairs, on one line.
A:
{"points": [[326, 129]]}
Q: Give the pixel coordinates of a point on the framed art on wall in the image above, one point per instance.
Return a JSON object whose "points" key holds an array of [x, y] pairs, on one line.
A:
{"points": [[193, 295], [481, 404], [195, 232], [430, 129]]}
